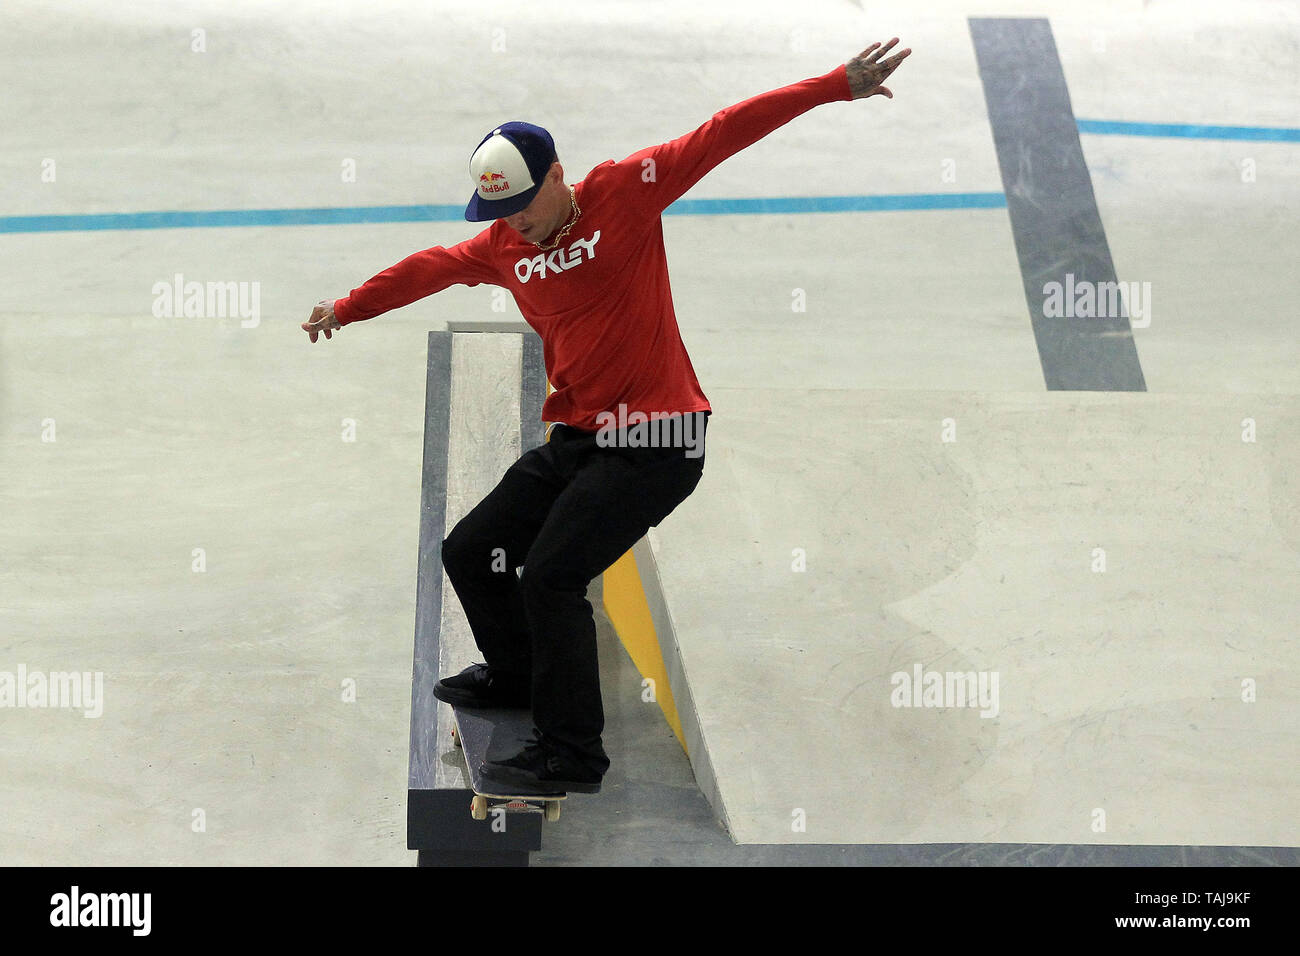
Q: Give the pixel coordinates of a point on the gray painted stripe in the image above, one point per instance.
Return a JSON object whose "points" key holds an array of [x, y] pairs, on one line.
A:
{"points": [[1054, 218], [532, 393], [428, 595]]}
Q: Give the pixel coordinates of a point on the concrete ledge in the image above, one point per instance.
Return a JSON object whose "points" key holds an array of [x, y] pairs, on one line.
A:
{"points": [[483, 405]]}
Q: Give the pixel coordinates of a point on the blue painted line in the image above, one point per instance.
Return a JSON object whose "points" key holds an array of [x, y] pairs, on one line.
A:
{"points": [[220, 218], [348, 215], [801, 204], [1274, 134]]}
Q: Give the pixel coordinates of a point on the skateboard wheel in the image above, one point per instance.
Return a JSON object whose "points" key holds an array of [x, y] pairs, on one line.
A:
{"points": [[552, 811], [478, 808]]}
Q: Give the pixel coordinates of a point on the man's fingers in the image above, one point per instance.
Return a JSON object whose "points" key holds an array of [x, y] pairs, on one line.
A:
{"points": [[892, 63], [883, 50], [315, 326], [322, 320], [887, 72]]}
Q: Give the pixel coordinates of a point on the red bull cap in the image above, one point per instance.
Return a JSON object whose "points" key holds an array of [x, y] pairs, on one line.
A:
{"points": [[507, 169]]}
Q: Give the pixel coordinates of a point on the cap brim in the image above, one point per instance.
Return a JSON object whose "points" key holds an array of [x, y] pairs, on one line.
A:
{"points": [[481, 210]]}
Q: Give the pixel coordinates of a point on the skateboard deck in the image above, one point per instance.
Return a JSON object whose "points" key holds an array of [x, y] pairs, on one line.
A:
{"points": [[493, 734]]}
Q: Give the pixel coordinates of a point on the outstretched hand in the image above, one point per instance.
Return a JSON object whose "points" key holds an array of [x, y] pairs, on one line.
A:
{"points": [[322, 320], [867, 70]]}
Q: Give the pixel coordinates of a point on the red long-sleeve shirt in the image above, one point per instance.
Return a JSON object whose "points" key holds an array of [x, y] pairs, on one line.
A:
{"points": [[600, 301]]}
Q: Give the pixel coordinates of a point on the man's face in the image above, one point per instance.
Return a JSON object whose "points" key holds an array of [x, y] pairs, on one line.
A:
{"points": [[543, 215], [525, 222]]}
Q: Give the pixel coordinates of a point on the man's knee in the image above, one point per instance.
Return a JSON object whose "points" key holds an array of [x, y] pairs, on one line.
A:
{"points": [[544, 582], [458, 553], [465, 556]]}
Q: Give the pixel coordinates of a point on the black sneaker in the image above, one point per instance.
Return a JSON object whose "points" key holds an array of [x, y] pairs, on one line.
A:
{"points": [[478, 686], [540, 769]]}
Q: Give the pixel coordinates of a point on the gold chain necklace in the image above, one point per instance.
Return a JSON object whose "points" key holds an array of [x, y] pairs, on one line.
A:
{"points": [[573, 199]]}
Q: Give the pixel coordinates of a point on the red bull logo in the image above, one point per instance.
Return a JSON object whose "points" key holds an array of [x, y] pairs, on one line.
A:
{"points": [[491, 182]]}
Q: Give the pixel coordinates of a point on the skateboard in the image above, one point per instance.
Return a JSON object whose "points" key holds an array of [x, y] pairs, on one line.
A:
{"points": [[489, 734]]}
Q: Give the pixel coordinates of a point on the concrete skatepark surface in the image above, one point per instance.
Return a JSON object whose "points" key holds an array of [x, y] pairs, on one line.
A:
{"points": [[221, 518]]}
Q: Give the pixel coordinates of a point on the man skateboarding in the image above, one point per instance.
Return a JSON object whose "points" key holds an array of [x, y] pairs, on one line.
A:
{"points": [[587, 268]]}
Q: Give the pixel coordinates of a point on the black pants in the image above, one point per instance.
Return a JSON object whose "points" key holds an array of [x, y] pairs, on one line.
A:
{"points": [[565, 511]]}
